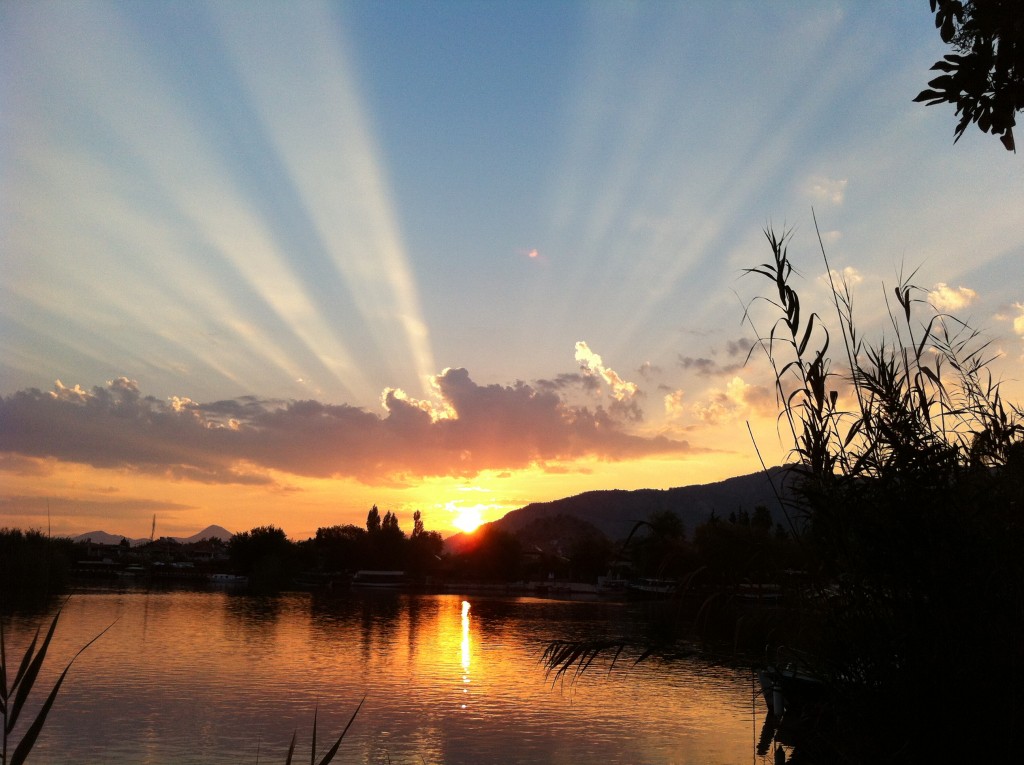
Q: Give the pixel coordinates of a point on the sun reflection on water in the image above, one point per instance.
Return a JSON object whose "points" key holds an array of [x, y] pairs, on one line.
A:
{"points": [[466, 654]]}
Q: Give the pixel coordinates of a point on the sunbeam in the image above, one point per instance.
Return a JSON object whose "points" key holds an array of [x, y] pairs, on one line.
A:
{"points": [[312, 115]]}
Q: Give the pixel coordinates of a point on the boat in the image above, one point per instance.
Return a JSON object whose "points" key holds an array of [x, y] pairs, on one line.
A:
{"points": [[790, 686]]}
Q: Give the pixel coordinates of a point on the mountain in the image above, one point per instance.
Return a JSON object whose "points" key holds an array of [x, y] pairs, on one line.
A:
{"points": [[219, 532], [103, 538], [615, 512]]}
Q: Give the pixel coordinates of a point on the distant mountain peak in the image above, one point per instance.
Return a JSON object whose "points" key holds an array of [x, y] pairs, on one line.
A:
{"points": [[212, 530], [103, 538]]}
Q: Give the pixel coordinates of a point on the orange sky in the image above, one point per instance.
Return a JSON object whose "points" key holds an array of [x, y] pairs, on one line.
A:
{"points": [[72, 498], [268, 264]]}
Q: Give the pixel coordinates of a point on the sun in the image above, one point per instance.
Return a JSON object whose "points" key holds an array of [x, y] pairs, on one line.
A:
{"points": [[468, 519]]}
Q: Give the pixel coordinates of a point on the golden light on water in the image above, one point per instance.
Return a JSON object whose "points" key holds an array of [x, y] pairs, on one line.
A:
{"points": [[466, 655]]}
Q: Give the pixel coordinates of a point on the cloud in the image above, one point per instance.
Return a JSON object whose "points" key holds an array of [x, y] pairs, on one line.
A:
{"points": [[648, 370], [701, 366], [738, 401], [848, 275], [20, 465], [674, 403], [945, 298], [739, 346], [705, 367], [587, 383], [829, 190], [470, 428], [70, 507], [1018, 321], [592, 364]]}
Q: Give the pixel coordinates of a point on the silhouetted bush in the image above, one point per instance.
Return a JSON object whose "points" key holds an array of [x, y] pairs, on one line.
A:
{"points": [[910, 484], [34, 568]]}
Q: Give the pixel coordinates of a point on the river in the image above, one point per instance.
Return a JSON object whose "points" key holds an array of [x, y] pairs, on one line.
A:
{"points": [[210, 677]]}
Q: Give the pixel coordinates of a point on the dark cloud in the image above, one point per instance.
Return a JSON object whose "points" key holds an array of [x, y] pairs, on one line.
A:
{"points": [[490, 427], [736, 350], [740, 347], [587, 383], [701, 366]]}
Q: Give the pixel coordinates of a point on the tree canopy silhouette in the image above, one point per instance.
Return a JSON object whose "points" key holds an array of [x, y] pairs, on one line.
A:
{"points": [[985, 77]]}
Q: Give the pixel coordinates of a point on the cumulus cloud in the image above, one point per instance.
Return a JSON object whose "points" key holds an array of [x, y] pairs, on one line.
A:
{"points": [[739, 400], [674, 403], [239, 441], [592, 364], [1018, 321], [849, 276], [946, 298]]}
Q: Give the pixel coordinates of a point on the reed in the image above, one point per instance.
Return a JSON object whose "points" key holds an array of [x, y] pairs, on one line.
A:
{"points": [[906, 484], [15, 695], [910, 480], [16, 690], [329, 755]]}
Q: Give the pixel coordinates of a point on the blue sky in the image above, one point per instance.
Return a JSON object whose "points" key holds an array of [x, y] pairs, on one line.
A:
{"points": [[237, 206]]}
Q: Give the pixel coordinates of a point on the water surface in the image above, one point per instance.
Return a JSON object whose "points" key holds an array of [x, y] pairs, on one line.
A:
{"points": [[216, 677]]}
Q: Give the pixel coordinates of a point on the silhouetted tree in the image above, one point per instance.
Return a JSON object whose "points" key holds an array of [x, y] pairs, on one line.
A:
{"points": [[389, 544], [373, 520], [424, 549], [265, 554], [390, 523], [984, 79], [342, 548], [660, 547]]}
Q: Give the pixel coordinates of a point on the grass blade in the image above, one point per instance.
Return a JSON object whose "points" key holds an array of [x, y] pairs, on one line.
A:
{"points": [[28, 672], [291, 749], [29, 739], [334, 749], [312, 752]]}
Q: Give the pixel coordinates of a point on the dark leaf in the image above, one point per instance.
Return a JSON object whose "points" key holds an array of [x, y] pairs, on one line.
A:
{"points": [[334, 749], [25, 681], [291, 749], [931, 96]]}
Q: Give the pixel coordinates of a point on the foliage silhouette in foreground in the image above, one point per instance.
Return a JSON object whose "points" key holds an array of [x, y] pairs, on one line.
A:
{"points": [[329, 755], [14, 696], [984, 79], [910, 470], [905, 495]]}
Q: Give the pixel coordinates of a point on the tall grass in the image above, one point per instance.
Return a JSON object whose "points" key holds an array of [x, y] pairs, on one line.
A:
{"points": [[905, 498], [910, 487], [330, 753], [14, 696]]}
